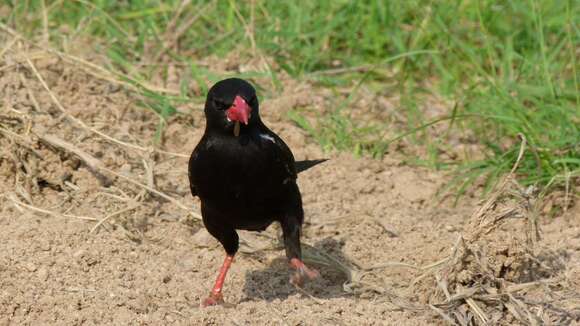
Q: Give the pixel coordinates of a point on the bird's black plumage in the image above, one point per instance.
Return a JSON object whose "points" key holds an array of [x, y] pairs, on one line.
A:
{"points": [[245, 181]]}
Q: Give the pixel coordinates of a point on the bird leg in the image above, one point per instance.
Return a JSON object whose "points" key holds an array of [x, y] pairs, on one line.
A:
{"points": [[291, 232], [215, 296], [302, 271]]}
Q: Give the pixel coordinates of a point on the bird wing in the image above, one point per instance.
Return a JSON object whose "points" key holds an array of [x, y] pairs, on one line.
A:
{"points": [[293, 167], [286, 157], [280, 150]]}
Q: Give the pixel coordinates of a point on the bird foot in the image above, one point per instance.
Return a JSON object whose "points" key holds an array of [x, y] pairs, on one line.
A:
{"points": [[302, 273], [213, 300]]}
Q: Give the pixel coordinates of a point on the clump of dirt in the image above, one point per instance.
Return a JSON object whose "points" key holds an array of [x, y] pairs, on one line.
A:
{"points": [[97, 225]]}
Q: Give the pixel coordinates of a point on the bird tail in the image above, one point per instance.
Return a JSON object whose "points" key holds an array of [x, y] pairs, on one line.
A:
{"points": [[307, 164]]}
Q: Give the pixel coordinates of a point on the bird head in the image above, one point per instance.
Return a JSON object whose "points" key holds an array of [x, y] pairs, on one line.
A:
{"points": [[231, 105]]}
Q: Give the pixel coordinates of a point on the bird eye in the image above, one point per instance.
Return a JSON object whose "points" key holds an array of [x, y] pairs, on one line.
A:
{"points": [[253, 101], [219, 104]]}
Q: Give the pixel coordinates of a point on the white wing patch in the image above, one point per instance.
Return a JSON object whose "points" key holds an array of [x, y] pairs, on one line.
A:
{"points": [[268, 137]]}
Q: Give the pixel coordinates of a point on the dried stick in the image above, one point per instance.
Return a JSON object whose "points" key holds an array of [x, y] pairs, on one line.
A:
{"points": [[94, 163], [103, 220], [47, 212]]}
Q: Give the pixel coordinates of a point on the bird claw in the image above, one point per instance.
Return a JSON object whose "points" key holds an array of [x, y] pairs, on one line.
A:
{"points": [[302, 274], [213, 300]]}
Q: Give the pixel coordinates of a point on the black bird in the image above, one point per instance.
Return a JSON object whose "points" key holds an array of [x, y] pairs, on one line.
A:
{"points": [[245, 176]]}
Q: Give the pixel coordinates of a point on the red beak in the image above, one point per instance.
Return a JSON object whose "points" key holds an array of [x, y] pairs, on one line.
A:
{"points": [[239, 111]]}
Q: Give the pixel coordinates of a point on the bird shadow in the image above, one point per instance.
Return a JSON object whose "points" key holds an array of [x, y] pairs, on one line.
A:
{"points": [[272, 282]]}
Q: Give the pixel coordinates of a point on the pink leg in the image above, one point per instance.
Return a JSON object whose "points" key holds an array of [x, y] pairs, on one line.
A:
{"points": [[302, 272], [216, 297]]}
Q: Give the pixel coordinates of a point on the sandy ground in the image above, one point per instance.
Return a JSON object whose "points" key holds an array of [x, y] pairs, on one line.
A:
{"points": [[82, 244]]}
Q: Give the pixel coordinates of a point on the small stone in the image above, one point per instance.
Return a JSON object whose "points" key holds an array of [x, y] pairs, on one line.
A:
{"points": [[450, 228], [168, 217], [125, 169], [203, 239], [79, 253], [45, 246], [30, 266], [42, 274]]}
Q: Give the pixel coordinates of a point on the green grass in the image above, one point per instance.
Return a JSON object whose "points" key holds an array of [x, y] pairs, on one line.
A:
{"points": [[511, 67]]}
